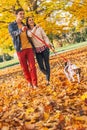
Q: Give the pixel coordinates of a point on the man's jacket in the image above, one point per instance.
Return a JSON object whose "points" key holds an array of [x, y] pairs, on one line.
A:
{"points": [[15, 33]]}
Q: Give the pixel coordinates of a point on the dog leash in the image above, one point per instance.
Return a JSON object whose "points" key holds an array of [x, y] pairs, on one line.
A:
{"points": [[65, 60]]}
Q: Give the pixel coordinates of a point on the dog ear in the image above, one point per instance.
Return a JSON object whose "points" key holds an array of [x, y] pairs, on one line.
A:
{"points": [[78, 71], [66, 63]]}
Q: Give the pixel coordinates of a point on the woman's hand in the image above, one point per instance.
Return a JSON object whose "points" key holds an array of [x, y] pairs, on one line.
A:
{"points": [[24, 28], [52, 47]]}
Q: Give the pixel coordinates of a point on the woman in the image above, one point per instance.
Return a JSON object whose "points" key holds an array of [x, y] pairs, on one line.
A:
{"points": [[41, 50]]}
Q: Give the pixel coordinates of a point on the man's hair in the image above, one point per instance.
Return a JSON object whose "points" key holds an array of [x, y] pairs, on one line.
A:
{"points": [[18, 10]]}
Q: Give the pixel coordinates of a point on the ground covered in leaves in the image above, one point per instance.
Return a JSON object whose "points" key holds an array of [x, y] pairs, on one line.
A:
{"points": [[60, 106]]}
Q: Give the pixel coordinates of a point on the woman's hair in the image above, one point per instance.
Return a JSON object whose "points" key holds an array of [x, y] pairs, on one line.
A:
{"points": [[27, 22]]}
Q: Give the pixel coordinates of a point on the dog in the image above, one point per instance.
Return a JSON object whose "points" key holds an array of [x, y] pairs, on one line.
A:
{"points": [[71, 70]]}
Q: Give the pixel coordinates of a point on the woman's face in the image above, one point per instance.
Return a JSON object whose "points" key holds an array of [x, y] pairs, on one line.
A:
{"points": [[31, 21]]}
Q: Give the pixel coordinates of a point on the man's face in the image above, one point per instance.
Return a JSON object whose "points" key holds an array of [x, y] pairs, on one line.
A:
{"points": [[20, 15]]}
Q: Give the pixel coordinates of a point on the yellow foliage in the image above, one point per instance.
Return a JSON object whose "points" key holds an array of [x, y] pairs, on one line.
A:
{"points": [[29, 110], [84, 96], [47, 14], [20, 104], [46, 116]]}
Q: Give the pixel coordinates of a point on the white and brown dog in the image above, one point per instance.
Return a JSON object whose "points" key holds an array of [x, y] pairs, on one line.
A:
{"points": [[71, 70]]}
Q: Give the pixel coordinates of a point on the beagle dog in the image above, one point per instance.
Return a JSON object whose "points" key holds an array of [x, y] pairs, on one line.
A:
{"points": [[71, 70]]}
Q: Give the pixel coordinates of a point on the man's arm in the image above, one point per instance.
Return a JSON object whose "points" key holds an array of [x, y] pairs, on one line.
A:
{"points": [[13, 32]]}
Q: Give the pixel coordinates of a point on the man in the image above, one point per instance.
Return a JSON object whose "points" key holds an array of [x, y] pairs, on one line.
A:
{"points": [[23, 47]]}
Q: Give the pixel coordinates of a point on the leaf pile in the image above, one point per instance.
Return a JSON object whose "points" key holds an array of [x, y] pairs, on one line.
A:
{"points": [[60, 106]]}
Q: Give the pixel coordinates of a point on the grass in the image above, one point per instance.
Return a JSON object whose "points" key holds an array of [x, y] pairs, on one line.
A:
{"points": [[70, 47], [58, 50], [8, 63]]}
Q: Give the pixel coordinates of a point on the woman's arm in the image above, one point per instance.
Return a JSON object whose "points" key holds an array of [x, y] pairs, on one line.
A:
{"points": [[44, 36], [29, 33], [46, 39]]}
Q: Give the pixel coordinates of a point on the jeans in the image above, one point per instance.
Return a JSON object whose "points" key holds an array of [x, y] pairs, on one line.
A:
{"points": [[43, 62]]}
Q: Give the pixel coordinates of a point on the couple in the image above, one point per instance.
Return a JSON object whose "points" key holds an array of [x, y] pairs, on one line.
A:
{"points": [[24, 42]]}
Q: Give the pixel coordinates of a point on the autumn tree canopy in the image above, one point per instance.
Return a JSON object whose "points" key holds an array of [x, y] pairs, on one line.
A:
{"points": [[55, 16]]}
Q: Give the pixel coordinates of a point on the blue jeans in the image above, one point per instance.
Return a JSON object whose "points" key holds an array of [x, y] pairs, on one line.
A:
{"points": [[43, 62]]}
